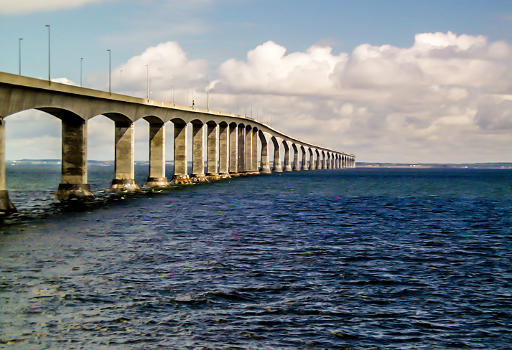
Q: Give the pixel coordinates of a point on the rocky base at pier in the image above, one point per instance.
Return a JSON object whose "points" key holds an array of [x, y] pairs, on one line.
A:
{"points": [[124, 186], [74, 192], [6, 207], [199, 178], [157, 182], [180, 180]]}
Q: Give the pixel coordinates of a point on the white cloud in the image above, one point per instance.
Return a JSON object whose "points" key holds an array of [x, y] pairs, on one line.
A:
{"points": [[427, 102], [29, 6]]}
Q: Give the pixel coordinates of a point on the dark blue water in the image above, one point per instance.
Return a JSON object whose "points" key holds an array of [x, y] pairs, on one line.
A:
{"points": [[353, 259]]}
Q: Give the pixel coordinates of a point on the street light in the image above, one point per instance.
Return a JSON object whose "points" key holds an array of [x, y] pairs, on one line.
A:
{"points": [[81, 64], [19, 55], [49, 75], [147, 81], [109, 70]]}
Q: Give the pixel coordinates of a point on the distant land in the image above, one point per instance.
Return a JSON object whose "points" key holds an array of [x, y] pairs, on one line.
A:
{"points": [[496, 165]]}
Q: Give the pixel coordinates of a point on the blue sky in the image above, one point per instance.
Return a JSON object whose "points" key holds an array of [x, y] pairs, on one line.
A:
{"points": [[213, 32]]}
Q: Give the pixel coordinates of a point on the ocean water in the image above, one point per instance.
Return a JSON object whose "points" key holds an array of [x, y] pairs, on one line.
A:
{"points": [[335, 259]]}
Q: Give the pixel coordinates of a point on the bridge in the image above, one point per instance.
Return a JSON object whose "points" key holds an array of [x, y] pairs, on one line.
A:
{"points": [[232, 140]]}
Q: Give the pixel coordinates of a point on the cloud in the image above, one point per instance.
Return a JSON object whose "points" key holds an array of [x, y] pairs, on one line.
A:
{"points": [[428, 102], [29, 6]]}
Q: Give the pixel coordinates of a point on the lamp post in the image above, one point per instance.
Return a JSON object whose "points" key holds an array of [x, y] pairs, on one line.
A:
{"points": [[147, 81], [19, 55], [49, 29], [109, 70], [81, 64]]}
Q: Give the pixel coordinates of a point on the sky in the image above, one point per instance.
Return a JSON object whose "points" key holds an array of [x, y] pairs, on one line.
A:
{"points": [[389, 81]]}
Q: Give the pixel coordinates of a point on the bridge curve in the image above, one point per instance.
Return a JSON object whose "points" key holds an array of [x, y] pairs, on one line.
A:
{"points": [[231, 147]]}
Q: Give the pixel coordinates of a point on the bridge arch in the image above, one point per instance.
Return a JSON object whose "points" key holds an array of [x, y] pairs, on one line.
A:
{"points": [[287, 151], [265, 163]]}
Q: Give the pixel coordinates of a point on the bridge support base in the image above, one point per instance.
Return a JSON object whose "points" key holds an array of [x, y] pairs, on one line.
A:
{"points": [[157, 182], [6, 207], [180, 180], [213, 177], [124, 186], [74, 192], [198, 178]]}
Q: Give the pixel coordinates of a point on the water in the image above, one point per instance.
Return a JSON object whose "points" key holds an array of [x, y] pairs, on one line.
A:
{"points": [[353, 259]]}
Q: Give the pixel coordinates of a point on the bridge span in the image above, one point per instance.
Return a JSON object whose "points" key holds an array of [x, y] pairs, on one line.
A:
{"points": [[232, 140]]}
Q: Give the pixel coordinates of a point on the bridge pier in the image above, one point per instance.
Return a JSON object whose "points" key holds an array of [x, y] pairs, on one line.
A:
{"points": [[6, 206], [265, 164], [73, 185], [241, 148], [254, 156], [197, 153], [278, 168], [157, 176], [212, 170], [248, 150], [296, 165], [304, 165], [124, 178], [287, 164], [224, 150], [180, 176], [233, 147]]}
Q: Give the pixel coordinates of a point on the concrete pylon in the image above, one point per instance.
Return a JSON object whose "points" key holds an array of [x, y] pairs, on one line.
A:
{"points": [[278, 168], [241, 148], [254, 156], [6, 206], [233, 149], [265, 164], [224, 150], [197, 152], [212, 170], [287, 162], [180, 176], [156, 176], [248, 149], [304, 163], [73, 184], [124, 178]]}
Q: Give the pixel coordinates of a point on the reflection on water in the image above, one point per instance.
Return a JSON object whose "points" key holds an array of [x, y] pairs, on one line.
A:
{"points": [[355, 259]]}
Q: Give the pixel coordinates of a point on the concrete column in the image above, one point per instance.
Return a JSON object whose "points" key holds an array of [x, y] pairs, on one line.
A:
{"points": [[248, 150], [296, 165], [278, 168], [197, 153], [6, 206], [241, 148], [73, 184], [254, 157], [157, 176], [327, 161], [212, 158], [287, 163], [124, 179], [223, 150], [233, 148], [265, 164], [180, 154], [311, 159], [304, 165]]}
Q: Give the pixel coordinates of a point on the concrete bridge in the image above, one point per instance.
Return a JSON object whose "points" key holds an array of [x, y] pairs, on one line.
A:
{"points": [[232, 140]]}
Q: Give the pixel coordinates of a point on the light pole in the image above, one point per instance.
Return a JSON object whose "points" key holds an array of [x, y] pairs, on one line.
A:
{"points": [[147, 81], [19, 55], [81, 64], [49, 75], [109, 70]]}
